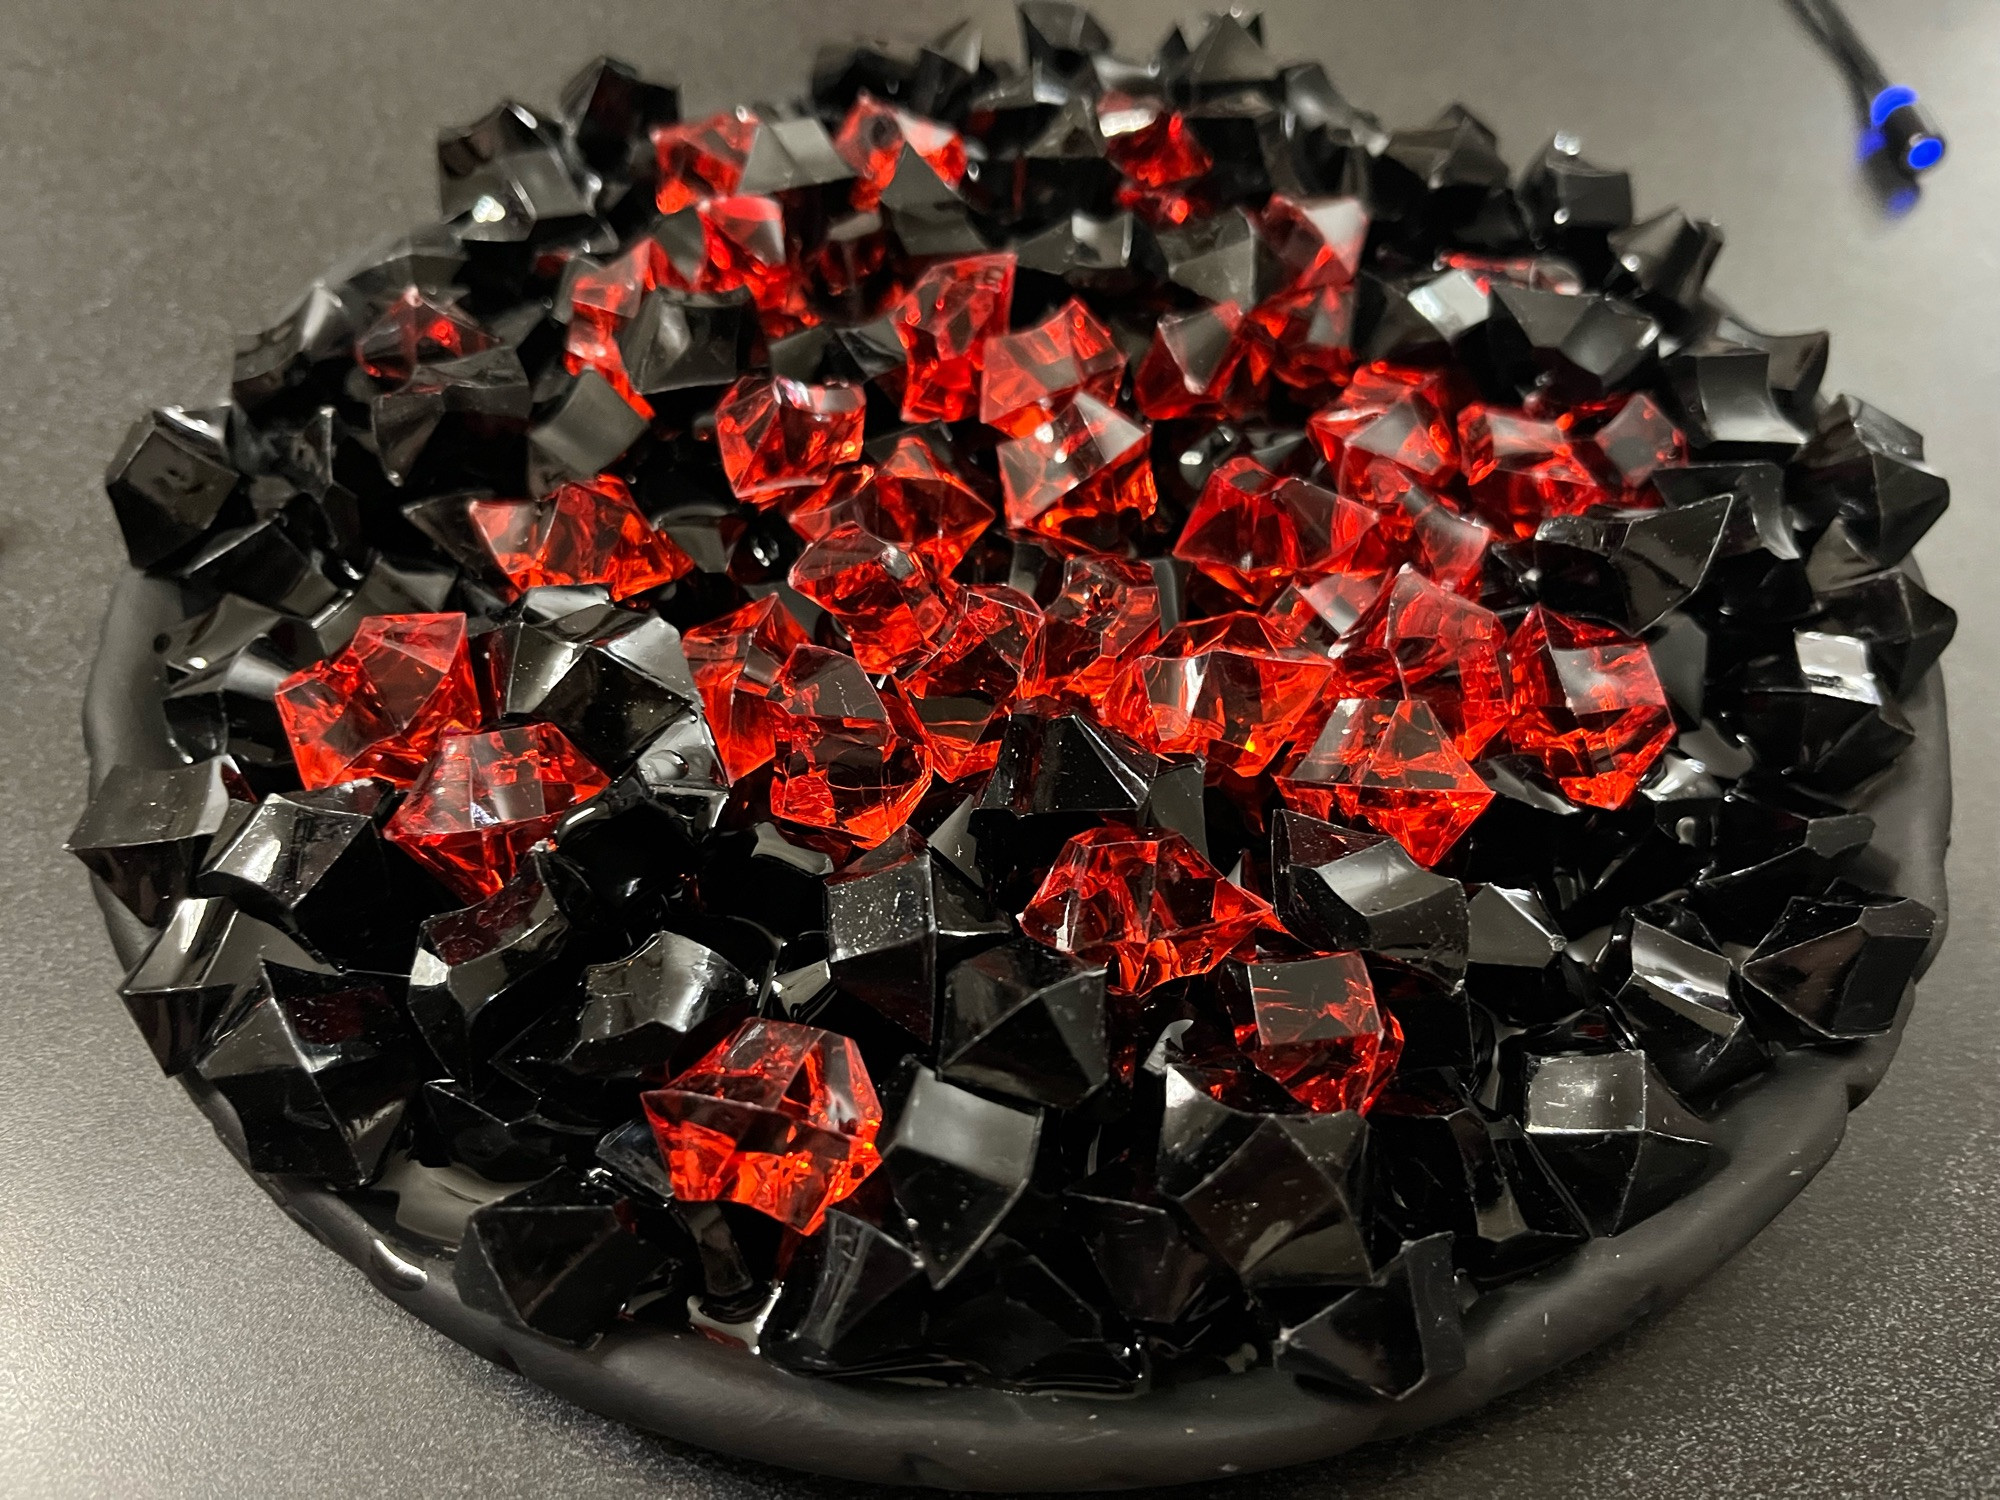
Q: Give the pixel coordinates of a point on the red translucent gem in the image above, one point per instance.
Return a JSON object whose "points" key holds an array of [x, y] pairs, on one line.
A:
{"points": [[844, 758], [1318, 612], [1542, 273], [1637, 442], [1152, 146], [380, 706], [911, 499], [1417, 640], [743, 246], [780, 1117], [1384, 417], [702, 158], [734, 660], [1106, 615], [944, 323], [960, 692], [1448, 548], [1198, 365], [871, 140], [486, 799], [1587, 703], [775, 434], [1229, 688], [1143, 903], [417, 329], [1390, 765], [1306, 337], [1318, 240], [894, 610], [1082, 479], [1254, 532], [1520, 470], [1030, 373], [1315, 1027], [586, 531]]}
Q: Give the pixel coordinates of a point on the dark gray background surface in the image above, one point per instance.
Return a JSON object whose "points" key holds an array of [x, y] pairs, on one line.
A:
{"points": [[172, 173]]}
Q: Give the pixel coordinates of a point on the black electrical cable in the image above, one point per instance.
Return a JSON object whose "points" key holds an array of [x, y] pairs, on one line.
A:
{"points": [[1894, 126]]}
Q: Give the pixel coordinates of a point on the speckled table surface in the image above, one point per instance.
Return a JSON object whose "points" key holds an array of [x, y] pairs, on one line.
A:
{"points": [[172, 173]]}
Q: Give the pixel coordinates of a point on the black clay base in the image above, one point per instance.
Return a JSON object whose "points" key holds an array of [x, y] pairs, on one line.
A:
{"points": [[1774, 1137]]}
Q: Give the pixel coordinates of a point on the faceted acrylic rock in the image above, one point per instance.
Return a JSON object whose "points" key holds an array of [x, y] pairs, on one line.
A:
{"points": [[1080, 480], [911, 498], [1674, 992], [874, 136], [1313, 1026], [779, 1117], [1254, 533], [1029, 374], [1513, 956], [952, 310], [585, 532], [1723, 397], [1384, 418], [1388, 1339], [1198, 365], [169, 483], [1837, 968], [1773, 841], [1818, 714], [1587, 703], [560, 1256], [486, 799], [1227, 688], [147, 831], [1106, 615], [894, 610], [777, 435], [957, 1163], [1638, 442], [1388, 764], [1565, 349], [1867, 470], [1023, 1020], [735, 659], [381, 706], [1520, 470], [672, 998], [1628, 568], [702, 158], [852, 1300], [1151, 1264], [960, 692], [1144, 904], [317, 1068], [416, 329], [1904, 629], [845, 757], [1417, 640]]}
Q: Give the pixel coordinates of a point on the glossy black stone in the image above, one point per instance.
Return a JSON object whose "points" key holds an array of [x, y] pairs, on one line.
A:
{"points": [[317, 1068], [169, 482], [1726, 405], [1837, 967], [1417, 321], [1867, 470], [494, 1131], [588, 430], [1389, 1339], [1024, 1020], [1674, 993], [456, 399], [760, 875], [264, 560], [1150, 1262], [1663, 262], [1818, 713], [853, 1300], [607, 108], [657, 1009], [1628, 568], [146, 831], [558, 1256], [682, 341], [1514, 953], [1904, 628], [1019, 1317], [958, 1162], [1222, 259], [1340, 888], [1570, 348], [1773, 841], [1575, 206]]}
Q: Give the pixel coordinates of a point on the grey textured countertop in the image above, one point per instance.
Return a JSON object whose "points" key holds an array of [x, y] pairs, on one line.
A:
{"points": [[172, 173]]}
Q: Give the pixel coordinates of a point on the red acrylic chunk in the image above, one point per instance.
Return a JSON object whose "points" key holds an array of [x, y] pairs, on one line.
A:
{"points": [[894, 610], [1082, 479], [743, 246], [1143, 903], [1588, 704], [1306, 337], [380, 706], [961, 691], [776, 434], [1151, 144], [702, 158], [1030, 373], [871, 140], [1390, 765], [1640, 440], [486, 799], [1336, 1049], [1418, 640], [912, 499], [1448, 548], [844, 758], [1520, 470], [417, 329], [1254, 532], [1229, 688], [780, 1117], [1318, 612], [1384, 416], [1318, 240], [1198, 365], [944, 323], [586, 531], [734, 660], [1107, 614]]}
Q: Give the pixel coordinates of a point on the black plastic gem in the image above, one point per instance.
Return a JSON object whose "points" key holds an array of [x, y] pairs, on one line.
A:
{"points": [[147, 831], [958, 1162], [1024, 1020], [1386, 1340], [1838, 967]]}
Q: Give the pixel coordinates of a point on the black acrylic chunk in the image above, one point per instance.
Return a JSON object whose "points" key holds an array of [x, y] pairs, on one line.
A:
{"points": [[1723, 395], [1514, 953], [169, 482], [1611, 1132], [1152, 1266], [1628, 568], [465, 398], [1573, 205], [1818, 713], [1663, 262], [611, 679], [1276, 1197], [761, 875], [1340, 888], [1675, 995], [1866, 470], [853, 1299], [1018, 1317], [591, 427], [493, 1131], [147, 831], [317, 1068], [1389, 1339], [1904, 628], [315, 864], [957, 1162], [657, 1008], [1025, 1020], [263, 560], [607, 107], [205, 958], [1836, 968], [561, 1256], [1571, 348], [1773, 841], [1418, 322], [1222, 259], [680, 341], [636, 843]]}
